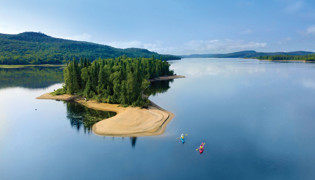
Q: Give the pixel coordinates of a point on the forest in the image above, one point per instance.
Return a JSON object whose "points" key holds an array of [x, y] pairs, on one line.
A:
{"points": [[310, 57], [121, 80], [39, 48]]}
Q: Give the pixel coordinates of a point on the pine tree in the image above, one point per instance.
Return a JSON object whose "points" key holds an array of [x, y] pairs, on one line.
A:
{"points": [[121, 80]]}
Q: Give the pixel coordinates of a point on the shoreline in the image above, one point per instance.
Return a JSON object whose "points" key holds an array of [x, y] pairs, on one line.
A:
{"points": [[298, 61], [166, 78], [128, 121]]}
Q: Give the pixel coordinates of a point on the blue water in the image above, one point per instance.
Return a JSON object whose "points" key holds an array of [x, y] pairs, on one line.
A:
{"points": [[256, 117]]}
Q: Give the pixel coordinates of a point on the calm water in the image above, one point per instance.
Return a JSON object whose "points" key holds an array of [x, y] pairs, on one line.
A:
{"points": [[257, 119]]}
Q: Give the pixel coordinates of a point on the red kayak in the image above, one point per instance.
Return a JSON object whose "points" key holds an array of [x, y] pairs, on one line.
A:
{"points": [[202, 147]]}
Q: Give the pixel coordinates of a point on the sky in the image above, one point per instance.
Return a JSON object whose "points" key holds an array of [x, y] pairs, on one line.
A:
{"points": [[177, 27]]}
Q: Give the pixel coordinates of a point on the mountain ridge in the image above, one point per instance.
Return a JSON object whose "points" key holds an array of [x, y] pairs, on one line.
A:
{"points": [[39, 48], [246, 54]]}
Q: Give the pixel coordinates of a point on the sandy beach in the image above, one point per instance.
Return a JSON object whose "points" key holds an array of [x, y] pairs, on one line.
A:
{"points": [[130, 121]]}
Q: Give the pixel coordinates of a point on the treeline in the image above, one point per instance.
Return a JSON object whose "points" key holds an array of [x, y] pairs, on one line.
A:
{"points": [[120, 81], [310, 57], [38, 48]]}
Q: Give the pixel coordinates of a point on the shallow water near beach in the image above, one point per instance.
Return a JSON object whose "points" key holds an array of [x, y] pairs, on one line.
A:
{"points": [[257, 119]]}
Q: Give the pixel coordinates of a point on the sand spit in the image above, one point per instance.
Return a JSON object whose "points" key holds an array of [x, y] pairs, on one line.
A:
{"points": [[130, 121]]}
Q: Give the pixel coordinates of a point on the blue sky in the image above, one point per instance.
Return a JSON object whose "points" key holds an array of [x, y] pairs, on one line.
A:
{"points": [[170, 26]]}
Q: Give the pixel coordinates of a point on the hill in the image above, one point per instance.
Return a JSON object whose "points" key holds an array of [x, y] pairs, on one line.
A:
{"points": [[39, 48], [247, 54]]}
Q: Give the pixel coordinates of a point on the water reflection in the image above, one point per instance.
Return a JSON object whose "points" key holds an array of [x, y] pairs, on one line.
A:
{"points": [[158, 87], [30, 77], [218, 67], [83, 118], [133, 141]]}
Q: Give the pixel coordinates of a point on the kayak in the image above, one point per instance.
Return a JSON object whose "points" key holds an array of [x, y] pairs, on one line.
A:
{"points": [[183, 140], [203, 147]]}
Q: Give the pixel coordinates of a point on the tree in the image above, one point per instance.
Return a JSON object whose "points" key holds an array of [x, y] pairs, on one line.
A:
{"points": [[121, 80]]}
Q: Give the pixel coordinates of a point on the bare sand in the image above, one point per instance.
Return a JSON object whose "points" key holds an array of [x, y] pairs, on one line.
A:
{"points": [[130, 121], [165, 78], [64, 97]]}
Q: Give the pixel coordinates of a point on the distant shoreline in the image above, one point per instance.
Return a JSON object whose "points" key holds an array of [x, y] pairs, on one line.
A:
{"points": [[129, 121], [300, 61]]}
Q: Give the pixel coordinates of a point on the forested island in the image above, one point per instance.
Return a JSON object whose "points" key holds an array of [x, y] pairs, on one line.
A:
{"points": [[39, 48], [118, 81], [310, 57], [118, 85]]}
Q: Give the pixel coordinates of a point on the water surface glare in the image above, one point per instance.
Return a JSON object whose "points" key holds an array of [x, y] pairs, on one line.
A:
{"points": [[256, 117]]}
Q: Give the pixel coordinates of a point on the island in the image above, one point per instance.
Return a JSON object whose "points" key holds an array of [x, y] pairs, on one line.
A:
{"points": [[118, 85]]}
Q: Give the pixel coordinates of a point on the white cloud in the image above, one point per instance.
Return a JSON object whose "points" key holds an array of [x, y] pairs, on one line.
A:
{"points": [[294, 7], [247, 31], [125, 44], [194, 46], [222, 46], [156, 46], [310, 30], [80, 37], [284, 41]]}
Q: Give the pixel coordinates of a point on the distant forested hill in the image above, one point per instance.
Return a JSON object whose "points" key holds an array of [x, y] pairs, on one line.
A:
{"points": [[310, 57], [247, 54], [38, 48]]}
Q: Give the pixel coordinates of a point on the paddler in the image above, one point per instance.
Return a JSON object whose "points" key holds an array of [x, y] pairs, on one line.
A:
{"points": [[201, 146]]}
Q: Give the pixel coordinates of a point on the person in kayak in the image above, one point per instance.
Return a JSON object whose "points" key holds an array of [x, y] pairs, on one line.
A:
{"points": [[182, 137], [201, 147]]}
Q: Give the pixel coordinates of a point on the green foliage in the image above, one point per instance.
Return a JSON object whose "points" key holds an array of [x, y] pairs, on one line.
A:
{"points": [[310, 57], [60, 91], [121, 80], [38, 48]]}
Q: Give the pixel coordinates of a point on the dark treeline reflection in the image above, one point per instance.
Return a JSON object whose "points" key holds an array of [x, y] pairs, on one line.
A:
{"points": [[30, 77], [158, 87], [133, 141], [83, 118]]}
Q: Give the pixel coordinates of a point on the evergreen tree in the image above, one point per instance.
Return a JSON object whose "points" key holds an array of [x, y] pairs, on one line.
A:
{"points": [[121, 80]]}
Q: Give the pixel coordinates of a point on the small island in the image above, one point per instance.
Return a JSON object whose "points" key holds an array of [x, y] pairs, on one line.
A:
{"points": [[118, 85]]}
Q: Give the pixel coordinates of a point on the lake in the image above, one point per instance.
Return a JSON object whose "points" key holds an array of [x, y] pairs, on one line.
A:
{"points": [[256, 117]]}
